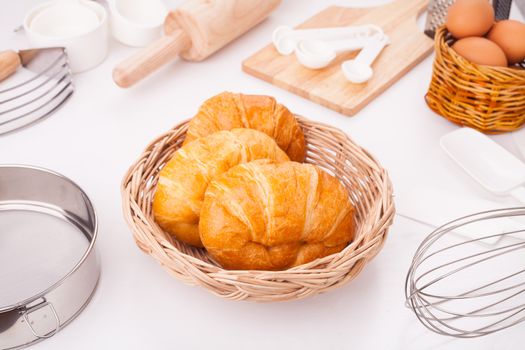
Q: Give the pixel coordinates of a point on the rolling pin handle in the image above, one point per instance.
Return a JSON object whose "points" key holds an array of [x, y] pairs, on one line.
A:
{"points": [[149, 59]]}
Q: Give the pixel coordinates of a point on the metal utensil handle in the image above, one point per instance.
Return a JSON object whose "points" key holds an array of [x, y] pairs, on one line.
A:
{"points": [[502, 9], [53, 311]]}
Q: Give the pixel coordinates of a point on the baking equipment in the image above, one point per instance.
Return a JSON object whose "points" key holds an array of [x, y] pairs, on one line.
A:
{"points": [[502, 8], [197, 29], [317, 54], [436, 16], [465, 289], [81, 26], [36, 91], [359, 70], [492, 166], [437, 13], [48, 264], [285, 39], [519, 138], [328, 87], [136, 22]]}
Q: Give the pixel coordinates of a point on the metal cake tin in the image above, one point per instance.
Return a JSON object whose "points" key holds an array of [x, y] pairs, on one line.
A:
{"points": [[48, 265]]}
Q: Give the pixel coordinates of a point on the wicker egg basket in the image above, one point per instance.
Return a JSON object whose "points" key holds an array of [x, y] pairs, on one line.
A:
{"points": [[369, 189], [489, 99]]}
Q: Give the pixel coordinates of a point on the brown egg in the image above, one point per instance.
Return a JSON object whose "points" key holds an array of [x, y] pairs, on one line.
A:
{"points": [[480, 51], [470, 18], [510, 36]]}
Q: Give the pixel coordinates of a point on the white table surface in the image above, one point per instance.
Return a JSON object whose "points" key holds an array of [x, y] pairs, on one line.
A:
{"points": [[101, 131]]}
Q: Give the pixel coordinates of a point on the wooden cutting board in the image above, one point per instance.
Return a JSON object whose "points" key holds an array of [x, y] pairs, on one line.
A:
{"points": [[328, 86]]}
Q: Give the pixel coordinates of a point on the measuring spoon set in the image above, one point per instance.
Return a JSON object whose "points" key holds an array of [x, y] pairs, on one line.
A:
{"points": [[317, 48]]}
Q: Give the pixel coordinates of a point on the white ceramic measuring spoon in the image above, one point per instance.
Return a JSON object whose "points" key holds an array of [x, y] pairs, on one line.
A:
{"points": [[496, 169], [316, 54], [285, 38], [359, 70]]}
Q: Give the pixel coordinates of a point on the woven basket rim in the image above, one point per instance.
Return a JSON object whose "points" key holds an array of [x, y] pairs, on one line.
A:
{"points": [[357, 248]]}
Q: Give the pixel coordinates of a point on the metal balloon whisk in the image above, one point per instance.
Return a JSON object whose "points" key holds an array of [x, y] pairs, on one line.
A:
{"points": [[470, 288]]}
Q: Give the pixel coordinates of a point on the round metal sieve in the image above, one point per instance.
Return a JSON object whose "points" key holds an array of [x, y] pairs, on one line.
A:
{"points": [[48, 265]]}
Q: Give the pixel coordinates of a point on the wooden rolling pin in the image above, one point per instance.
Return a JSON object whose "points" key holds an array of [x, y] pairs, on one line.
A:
{"points": [[194, 31]]}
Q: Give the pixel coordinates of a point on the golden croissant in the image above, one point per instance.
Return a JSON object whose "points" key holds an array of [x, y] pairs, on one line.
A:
{"points": [[263, 216], [227, 111], [182, 182]]}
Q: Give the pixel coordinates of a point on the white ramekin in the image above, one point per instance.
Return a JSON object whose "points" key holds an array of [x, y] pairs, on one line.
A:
{"points": [[137, 22], [81, 26]]}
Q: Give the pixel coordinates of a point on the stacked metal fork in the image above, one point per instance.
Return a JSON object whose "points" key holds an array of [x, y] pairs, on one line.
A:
{"points": [[37, 91]]}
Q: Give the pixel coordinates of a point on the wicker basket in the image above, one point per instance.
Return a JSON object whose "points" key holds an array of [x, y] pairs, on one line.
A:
{"points": [[369, 189], [489, 99]]}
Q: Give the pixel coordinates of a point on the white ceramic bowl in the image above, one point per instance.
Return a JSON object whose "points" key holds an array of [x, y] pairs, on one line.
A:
{"points": [[81, 26], [137, 22]]}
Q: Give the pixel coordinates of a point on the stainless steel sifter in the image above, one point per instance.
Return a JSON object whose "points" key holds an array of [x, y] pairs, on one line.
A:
{"points": [[48, 264]]}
